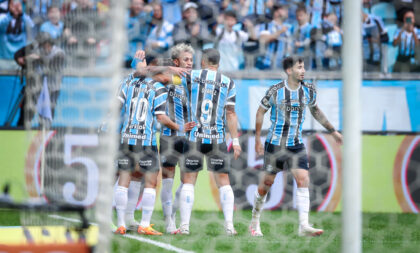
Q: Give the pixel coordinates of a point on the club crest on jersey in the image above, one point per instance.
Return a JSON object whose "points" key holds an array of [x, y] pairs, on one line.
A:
{"points": [[264, 101]]}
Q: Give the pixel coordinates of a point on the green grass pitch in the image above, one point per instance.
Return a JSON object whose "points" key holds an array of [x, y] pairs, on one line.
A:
{"points": [[382, 232]]}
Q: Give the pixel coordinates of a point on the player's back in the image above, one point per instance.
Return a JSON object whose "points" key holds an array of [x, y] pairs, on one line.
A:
{"points": [[176, 108], [144, 99], [208, 93]]}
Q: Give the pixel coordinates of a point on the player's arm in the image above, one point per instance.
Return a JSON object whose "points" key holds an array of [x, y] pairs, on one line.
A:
{"points": [[259, 119], [154, 70], [322, 119], [232, 119], [232, 123], [165, 120], [160, 112], [265, 104]]}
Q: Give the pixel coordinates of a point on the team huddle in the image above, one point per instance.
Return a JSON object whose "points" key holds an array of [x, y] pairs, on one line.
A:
{"points": [[194, 111]]}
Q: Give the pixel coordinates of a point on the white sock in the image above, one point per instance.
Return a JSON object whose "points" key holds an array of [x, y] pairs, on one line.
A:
{"points": [[258, 205], [302, 205], [120, 196], [148, 204], [186, 201], [166, 196], [175, 206], [133, 198], [227, 200]]}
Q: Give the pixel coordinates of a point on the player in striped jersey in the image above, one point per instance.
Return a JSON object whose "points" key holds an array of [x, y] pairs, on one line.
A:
{"points": [[172, 142], [211, 97], [143, 100], [284, 147]]}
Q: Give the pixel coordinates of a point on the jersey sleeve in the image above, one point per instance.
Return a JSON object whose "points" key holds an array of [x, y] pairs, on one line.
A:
{"points": [[231, 98], [159, 101], [267, 100], [312, 97], [122, 89]]}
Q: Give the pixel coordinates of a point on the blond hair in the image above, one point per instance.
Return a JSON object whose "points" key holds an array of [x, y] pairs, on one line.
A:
{"points": [[180, 48]]}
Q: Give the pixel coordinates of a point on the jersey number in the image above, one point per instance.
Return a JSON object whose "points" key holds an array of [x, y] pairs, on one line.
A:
{"points": [[206, 109], [141, 109]]}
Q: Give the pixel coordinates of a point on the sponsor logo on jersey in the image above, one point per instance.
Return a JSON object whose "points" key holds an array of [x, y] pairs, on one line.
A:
{"points": [[134, 136], [177, 95], [207, 136], [205, 81]]}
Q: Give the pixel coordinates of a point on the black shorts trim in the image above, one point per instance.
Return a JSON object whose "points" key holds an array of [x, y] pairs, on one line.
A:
{"points": [[277, 158], [217, 157], [145, 156], [172, 149]]}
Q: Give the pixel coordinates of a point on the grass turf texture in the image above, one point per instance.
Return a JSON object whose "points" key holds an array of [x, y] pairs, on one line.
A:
{"points": [[382, 232]]}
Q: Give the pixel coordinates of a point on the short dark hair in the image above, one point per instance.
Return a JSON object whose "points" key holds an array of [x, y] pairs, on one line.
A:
{"points": [[290, 61], [301, 8], [53, 7], [211, 56], [276, 7], [230, 14]]}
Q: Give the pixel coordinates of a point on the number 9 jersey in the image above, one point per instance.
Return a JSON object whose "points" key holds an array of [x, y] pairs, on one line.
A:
{"points": [[142, 99], [208, 93]]}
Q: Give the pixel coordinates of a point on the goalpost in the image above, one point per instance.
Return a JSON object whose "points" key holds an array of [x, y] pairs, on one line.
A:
{"points": [[352, 150]]}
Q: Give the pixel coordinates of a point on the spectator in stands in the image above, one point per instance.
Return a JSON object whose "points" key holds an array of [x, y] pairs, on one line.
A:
{"points": [[229, 42], [408, 42], [334, 42], [159, 39], [276, 36], [42, 61], [319, 8], [374, 34], [13, 33], [367, 5], [207, 10], [172, 11], [191, 30], [258, 10], [81, 29], [4, 6], [138, 17], [302, 36], [38, 10], [54, 26]]}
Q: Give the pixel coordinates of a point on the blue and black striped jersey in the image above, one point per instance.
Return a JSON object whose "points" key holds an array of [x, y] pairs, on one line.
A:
{"points": [[142, 100], [287, 112], [176, 108], [208, 93]]}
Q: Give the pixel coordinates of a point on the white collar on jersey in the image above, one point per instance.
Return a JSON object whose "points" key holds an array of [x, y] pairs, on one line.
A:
{"points": [[287, 86]]}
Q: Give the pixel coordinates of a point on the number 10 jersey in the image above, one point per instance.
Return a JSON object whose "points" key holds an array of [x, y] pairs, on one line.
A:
{"points": [[208, 93], [142, 100]]}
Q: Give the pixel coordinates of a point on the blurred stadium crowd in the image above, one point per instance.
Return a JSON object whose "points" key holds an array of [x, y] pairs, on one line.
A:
{"points": [[250, 34]]}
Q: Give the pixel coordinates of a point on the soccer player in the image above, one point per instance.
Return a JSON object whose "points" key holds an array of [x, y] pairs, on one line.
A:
{"points": [[143, 100], [284, 147], [172, 142], [211, 96]]}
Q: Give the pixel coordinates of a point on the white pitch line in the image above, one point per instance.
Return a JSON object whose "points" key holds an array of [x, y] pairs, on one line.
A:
{"points": [[156, 243], [58, 217], [138, 238]]}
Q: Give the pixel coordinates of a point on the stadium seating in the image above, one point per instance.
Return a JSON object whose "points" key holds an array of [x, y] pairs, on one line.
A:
{"points": [[386, 11]]}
